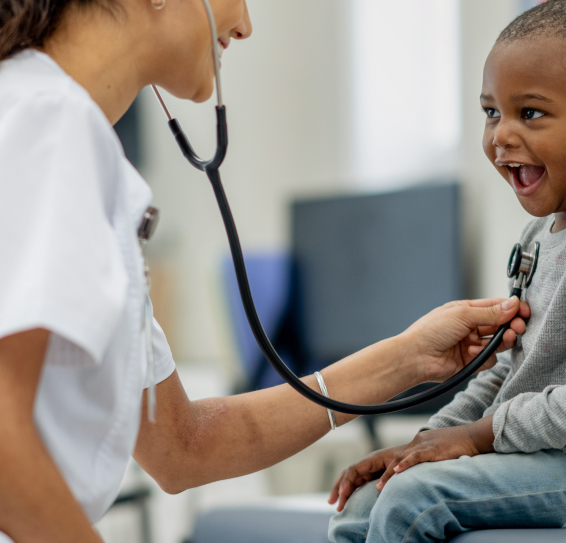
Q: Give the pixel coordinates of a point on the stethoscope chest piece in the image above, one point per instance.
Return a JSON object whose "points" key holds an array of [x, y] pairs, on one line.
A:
{"points": [[523, 265]]}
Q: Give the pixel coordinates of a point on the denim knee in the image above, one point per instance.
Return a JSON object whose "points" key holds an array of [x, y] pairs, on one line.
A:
{"points": [[404, 497], [351, 525], [403, 500], [398, 505]]}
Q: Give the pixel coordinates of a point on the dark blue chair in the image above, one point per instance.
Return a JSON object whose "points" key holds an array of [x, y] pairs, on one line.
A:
{"points": [[271, 281]]}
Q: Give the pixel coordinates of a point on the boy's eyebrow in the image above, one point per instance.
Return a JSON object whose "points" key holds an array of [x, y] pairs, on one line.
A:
{"points": [[520, 97], [530, 96]]}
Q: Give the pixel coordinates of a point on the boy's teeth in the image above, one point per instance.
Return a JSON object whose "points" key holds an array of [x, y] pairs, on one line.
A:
{"points": [[514, 165]]}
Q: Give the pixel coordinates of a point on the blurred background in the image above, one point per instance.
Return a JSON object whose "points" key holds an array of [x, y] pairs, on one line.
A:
{"points": [[355, 171]]}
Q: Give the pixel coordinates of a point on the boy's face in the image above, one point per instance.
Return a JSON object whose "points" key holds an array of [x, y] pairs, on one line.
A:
{"points": [[524, 97]]}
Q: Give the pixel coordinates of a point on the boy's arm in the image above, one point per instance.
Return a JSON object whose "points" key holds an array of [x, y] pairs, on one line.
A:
{"points": [[532, 422], [528, 423], [431, 446], [455, 429], [470, 404]]}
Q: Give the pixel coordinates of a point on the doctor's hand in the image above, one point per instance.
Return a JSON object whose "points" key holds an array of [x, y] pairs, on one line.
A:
{"points": [[445, 340]]}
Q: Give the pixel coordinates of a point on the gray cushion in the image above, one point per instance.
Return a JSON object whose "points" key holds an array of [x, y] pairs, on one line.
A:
{"points": [[261, 525], [549, 535], [271, 525]]}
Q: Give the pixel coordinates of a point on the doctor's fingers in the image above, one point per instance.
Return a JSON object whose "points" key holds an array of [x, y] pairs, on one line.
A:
{"points": [[484, 302], [524, 309], [518, 327], [509, 341], [489, 363]]}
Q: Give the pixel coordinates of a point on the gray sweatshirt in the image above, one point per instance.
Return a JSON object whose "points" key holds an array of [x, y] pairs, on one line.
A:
{"points": [[526, 389]]}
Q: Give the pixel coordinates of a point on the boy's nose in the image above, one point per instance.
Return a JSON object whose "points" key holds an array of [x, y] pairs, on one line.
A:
{"points": [[505, 136]]}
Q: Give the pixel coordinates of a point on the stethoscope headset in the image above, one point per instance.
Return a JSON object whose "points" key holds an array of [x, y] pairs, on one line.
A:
{"points": [[522, 266]]}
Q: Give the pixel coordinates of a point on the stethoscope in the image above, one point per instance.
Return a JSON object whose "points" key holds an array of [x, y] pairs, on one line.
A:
{"points": [[522, 266]]}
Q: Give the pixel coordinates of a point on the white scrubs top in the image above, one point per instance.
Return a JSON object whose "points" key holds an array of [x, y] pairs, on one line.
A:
{"points": [[70, 206]]}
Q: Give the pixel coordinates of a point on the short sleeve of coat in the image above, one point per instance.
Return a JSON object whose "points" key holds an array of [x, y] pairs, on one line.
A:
{"points": [[164, 363], [61, 267]]}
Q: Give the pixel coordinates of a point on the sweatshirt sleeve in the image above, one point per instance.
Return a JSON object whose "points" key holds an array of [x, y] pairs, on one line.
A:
{"points": [[531, 422], [470, 404]]}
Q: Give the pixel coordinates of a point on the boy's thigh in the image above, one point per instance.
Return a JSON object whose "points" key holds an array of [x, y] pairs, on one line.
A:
{"points": [[443, 499], [485, 491]]}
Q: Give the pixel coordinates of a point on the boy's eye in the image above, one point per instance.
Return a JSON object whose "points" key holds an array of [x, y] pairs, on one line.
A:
{"points": [[529, 113], [491, 113]]}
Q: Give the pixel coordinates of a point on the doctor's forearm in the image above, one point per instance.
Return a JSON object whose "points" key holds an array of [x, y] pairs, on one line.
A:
{"points": [[35, 503], [194, 443]]}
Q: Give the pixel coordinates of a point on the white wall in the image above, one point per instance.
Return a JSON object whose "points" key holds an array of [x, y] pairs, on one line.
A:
{"points": [[406, 91], [493, 217]]}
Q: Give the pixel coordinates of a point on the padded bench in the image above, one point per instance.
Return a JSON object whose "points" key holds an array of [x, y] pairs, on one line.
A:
{"points": [[548, 535], [293, 519], [305, 520]]}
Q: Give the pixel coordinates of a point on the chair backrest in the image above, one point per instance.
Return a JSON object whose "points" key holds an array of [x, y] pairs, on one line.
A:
{"points": [[269, 276]]}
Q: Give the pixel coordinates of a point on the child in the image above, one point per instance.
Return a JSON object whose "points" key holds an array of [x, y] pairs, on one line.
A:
{"points": [[519, 406]]}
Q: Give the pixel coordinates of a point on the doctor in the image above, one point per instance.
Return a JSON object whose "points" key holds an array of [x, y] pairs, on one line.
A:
{"points": [[73, 366]]}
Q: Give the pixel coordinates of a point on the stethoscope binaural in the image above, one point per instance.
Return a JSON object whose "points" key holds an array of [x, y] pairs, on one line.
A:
{"points": [[522, 266]]}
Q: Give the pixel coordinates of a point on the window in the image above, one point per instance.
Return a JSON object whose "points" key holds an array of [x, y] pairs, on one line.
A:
{"points": [[406, 95]]}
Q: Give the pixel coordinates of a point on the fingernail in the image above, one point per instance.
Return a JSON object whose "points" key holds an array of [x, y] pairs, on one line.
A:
{"points": [[396, 469], [508, 304]]}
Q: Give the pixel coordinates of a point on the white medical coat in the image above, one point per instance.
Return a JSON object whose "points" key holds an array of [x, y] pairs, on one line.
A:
{"points": [[70, 262]]}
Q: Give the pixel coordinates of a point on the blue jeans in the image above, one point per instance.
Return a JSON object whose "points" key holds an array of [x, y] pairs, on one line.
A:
{"points": [[437, 501]]}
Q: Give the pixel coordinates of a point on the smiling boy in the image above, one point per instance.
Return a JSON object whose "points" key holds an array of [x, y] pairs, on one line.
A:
{"points": [[495, 456]]}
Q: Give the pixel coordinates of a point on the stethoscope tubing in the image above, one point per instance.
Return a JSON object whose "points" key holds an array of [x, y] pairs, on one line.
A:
{"points": [[211, 168], [288, 375], [213, 174]]}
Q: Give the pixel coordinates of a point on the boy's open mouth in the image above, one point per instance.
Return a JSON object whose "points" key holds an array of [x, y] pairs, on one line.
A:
{"points": [[526, 175]]}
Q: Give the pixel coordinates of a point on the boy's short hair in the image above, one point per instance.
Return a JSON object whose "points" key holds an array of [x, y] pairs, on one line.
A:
{"points": [[547, 20]]}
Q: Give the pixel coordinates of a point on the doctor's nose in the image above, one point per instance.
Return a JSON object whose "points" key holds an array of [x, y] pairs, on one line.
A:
{"points": [[244, 28]]}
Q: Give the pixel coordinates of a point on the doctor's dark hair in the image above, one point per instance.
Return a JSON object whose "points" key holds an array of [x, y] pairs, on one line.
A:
{"points": [[28, 23], [547, 20]]}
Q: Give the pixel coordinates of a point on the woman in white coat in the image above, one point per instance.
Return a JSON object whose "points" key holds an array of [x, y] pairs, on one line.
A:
{"points": [[73, 364]]}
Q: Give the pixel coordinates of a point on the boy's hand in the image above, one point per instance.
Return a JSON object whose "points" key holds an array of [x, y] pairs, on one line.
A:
{"points": [[430, 446], [359, 474], [443, 444]]}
